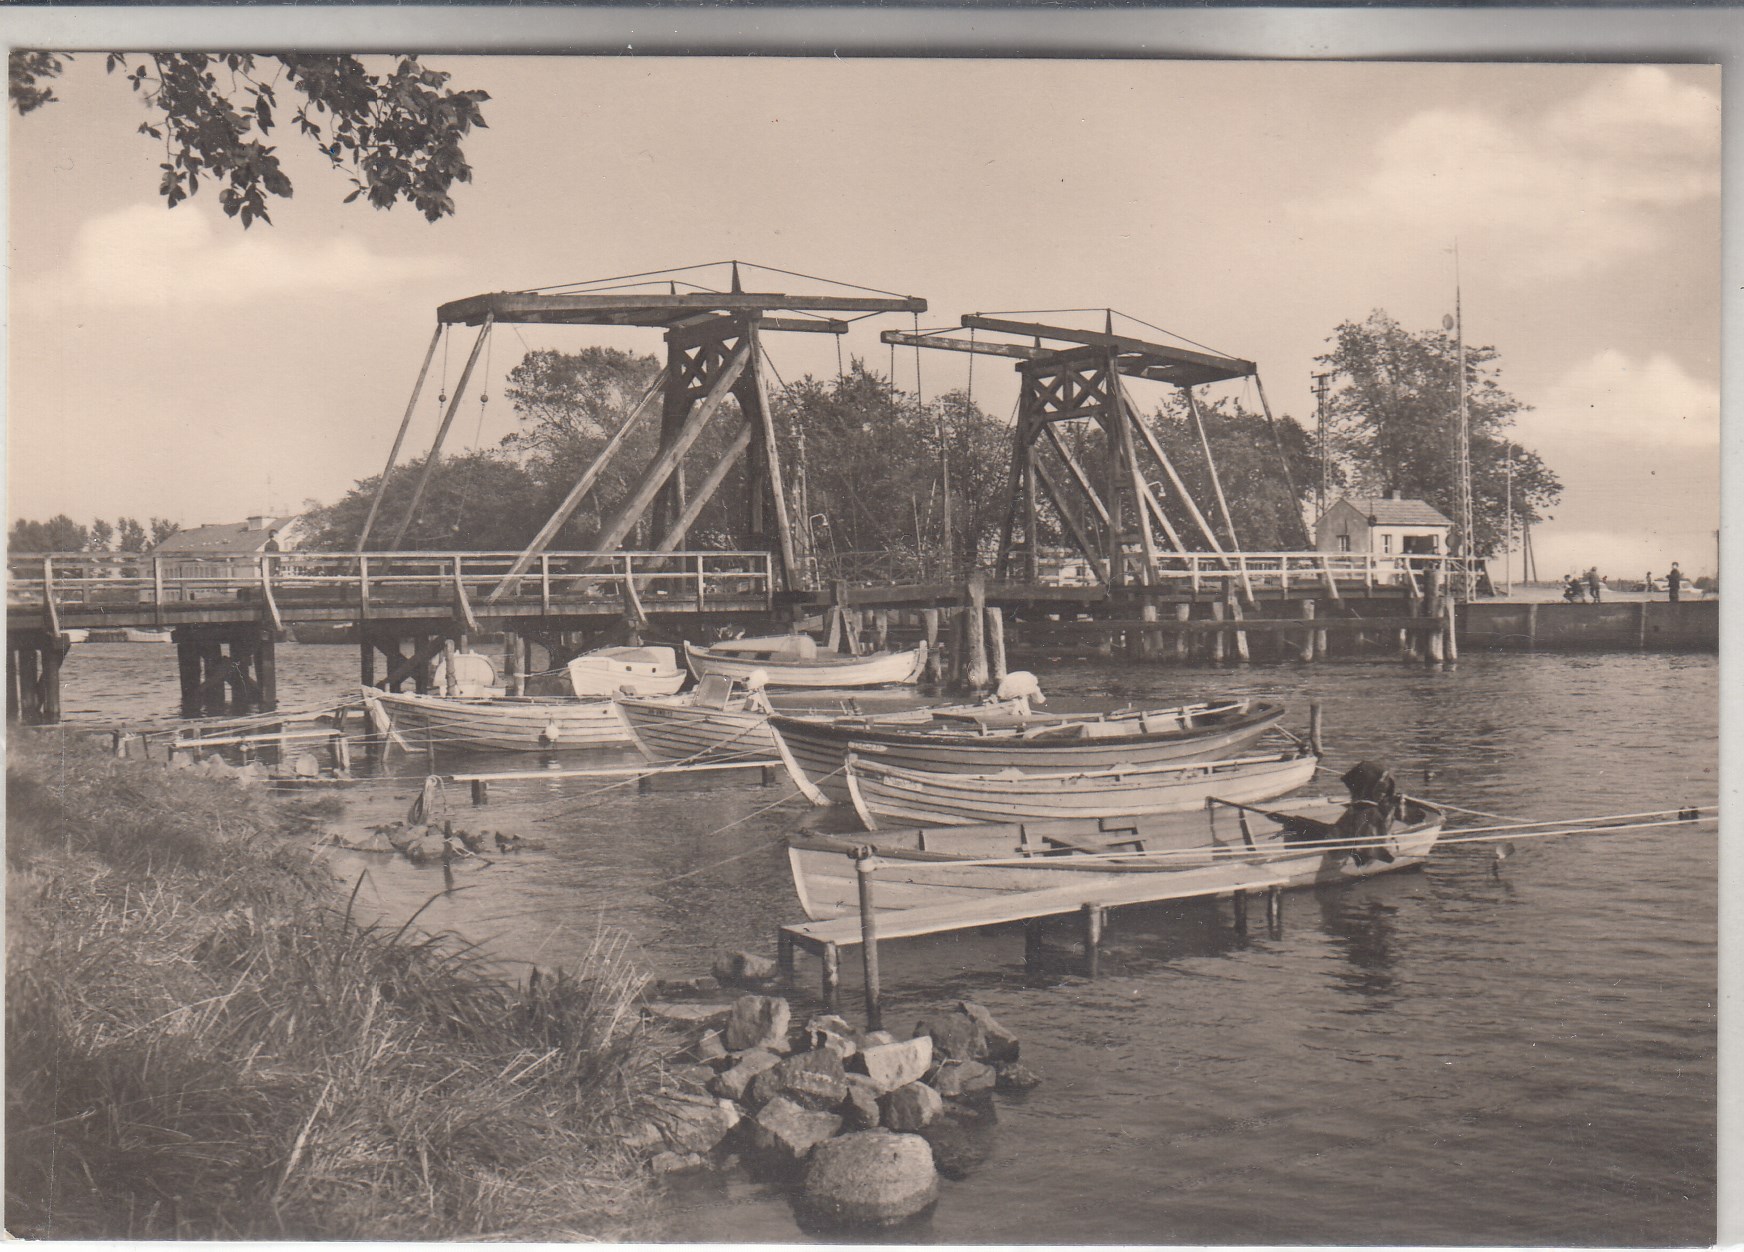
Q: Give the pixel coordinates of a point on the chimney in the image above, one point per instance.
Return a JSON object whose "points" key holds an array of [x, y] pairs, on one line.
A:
{"points": [[1393, 493], [259, 523]]}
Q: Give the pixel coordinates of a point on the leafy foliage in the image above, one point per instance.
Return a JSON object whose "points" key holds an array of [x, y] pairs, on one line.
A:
{"points": [[395, 134], [1394, 417], [478, 500], [59, 534]]}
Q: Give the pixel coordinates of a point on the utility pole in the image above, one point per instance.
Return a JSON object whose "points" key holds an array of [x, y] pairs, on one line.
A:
{"points": [[1321, 381], [1508, 540], [1462, 445]]}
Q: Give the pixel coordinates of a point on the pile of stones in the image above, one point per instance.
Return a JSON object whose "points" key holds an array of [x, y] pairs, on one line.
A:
{"points": [[864, 1121]]}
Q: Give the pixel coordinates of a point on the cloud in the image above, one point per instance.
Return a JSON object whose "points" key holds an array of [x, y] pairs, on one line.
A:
{"points": [[149, 256], [1581, 184], [1610, 400]]}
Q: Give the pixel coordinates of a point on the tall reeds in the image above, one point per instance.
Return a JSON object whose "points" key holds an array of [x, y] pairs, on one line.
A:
{"points": [[202, 1041]]}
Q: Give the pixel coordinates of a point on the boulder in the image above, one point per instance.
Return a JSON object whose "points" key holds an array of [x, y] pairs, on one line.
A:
{"points": [[1014, 1077], [709, 1047], [914, 1107], [758, 1022], [961, 1139], [735, 1081], [701, 984], [812, 1079], [997, 1043], [893, 1065], [785, 1130], [429, 848], [962, 1078], [859, 1108], [744, 968], [873, 1037], [700, 1016], [832, 1032], [872, 1178], [695, 1123], [954, 1036]]}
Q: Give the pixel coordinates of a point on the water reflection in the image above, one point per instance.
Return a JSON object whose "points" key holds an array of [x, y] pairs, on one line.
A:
{"points": [[1364, 932]]}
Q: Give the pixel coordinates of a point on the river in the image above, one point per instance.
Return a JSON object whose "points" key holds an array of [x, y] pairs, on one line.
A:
{"points": [[1439, 1056]]}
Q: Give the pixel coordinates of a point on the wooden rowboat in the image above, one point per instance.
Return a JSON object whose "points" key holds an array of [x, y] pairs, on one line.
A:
{"points": [[782, 666], [503, 723], [880, 790], [816, 748], [1213, 852], [715, 722]]}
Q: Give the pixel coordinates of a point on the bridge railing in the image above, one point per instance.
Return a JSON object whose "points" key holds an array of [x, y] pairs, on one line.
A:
{"points": [[105, 582]]}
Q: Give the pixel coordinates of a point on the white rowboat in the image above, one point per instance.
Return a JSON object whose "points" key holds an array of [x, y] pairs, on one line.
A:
{"points": [[505, 723], [820, 671], [638, 671]]}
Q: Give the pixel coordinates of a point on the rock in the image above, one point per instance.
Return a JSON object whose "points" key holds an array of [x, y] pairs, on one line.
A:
{"points": [[642, 1136], [954, 1036], [701, 1016], [874, 1037], [961, 1139], [429, 848], [1014, 1077], [859, 1108], [695, 1076], [961, 1078], [709, 1047], [733, 1083], [696, 1123], [998, 1043], [744, 968], [812, 1079], [784, 1129], [677, 1162], [872, 1178], [702, 984], [893, 1065], [819, 1031], [758, 1022], [914, 1107]]}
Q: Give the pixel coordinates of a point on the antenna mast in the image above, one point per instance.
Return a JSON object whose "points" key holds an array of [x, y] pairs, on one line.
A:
{"points": [[1468, 547], [1320, 384]]}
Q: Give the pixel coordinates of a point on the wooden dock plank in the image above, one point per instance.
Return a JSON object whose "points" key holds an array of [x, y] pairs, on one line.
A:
{"points": [[1023, 905]]}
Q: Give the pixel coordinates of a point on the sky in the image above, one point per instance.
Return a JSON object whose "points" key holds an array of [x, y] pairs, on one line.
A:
{"points": [[168, 363]]}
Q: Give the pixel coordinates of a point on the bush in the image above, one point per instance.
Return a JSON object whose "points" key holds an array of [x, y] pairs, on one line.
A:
{"points": [[202, 1042]]}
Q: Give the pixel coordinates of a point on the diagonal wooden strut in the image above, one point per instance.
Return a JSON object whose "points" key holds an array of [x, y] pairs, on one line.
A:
{"points": [[441, 435], [706, 489], [1210, 464], [1180, 487], [399, 438], [582, 486]]}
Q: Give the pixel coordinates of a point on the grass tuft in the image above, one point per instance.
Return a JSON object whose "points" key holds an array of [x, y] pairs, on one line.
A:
{"points": [[203, 1043]]}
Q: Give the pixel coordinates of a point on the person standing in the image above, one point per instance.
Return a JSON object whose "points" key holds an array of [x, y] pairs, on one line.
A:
{"points": [[1593, 583], [1674, 582]]}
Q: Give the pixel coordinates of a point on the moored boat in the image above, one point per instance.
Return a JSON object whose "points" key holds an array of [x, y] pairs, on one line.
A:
{"points": [[795, 661], [638, 671], [816, 748], [880, 790], [1223, 848], [504, 723], [717, 721]]}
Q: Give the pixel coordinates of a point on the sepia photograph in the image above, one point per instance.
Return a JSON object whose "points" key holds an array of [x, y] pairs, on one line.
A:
{"points": [[862, 648]]}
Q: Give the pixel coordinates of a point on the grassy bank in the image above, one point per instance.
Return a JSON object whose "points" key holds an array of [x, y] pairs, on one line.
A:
{"points": [[201, 1041]]}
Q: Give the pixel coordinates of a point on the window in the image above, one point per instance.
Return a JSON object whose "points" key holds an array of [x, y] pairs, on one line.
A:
{"points": [[1344, 543], [1387, 545]]}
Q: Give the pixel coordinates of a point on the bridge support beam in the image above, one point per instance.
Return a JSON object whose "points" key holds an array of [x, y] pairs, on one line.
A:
{"points": [[33, 677]]}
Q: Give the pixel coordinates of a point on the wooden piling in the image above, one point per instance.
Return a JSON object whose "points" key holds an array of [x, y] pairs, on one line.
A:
{"points": [[266, 669], [832, 974], [1218, 642], [975, 661], [784, 954], [1090, 916], [1032, 947], [1450, 644], [1274, 909], [480, 791], [1319, 637], [864, 864], [1314, 727], [1183, 614], [365, 658], [1238, 902], [1147, 639], [880, 629], [1235, 612], [1305, 649], [996, 641], [512, 663], [934, 663], [450, 682]]}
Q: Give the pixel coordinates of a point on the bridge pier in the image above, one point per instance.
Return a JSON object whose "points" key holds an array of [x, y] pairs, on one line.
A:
{"points": [[229, 668], [33, 677]]}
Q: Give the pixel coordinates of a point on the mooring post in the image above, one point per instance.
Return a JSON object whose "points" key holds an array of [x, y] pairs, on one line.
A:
{"points": [[975, 673], [645, 785], [1091, 918], [1238, 902], [365, 657], [1183, 614], [1432, 611], [1319, 636], [1305, 649], [832, 974], [768, 775], [266, 668], [864, 865], [880, 629], [450, 684], [1274, 910], [12, 703], [1148, 639], [512, 663], [1450, 645], [1314, 728], [996, 641], [1219, 644], [480, 791]]}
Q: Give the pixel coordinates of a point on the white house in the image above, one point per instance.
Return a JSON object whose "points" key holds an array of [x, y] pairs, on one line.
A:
{"points": [[223, 550], [1382, 526]]}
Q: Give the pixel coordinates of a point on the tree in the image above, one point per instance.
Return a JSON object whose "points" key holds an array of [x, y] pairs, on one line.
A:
{"points": [[102, 536], [130, 535], [478, 501], [395, 134], [1266, 512], [59, 534], [1394, 418], [162, 528]]}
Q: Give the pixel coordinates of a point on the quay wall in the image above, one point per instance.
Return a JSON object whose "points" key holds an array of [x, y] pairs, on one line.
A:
{"points": [[1692, 625]]}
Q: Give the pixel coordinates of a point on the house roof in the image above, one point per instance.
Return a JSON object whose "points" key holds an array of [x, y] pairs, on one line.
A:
{"points": [[223, 539], [1387, 512]]}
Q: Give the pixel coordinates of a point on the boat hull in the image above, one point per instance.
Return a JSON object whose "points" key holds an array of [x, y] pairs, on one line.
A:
{"points": [[510, 724], [1186, 857], [818, 749], [880, 792], [638, 671], [671, 730], [885, 669]]}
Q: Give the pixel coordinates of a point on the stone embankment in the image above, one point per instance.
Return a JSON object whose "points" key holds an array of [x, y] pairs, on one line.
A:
{"points": [[862, 1123]]}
